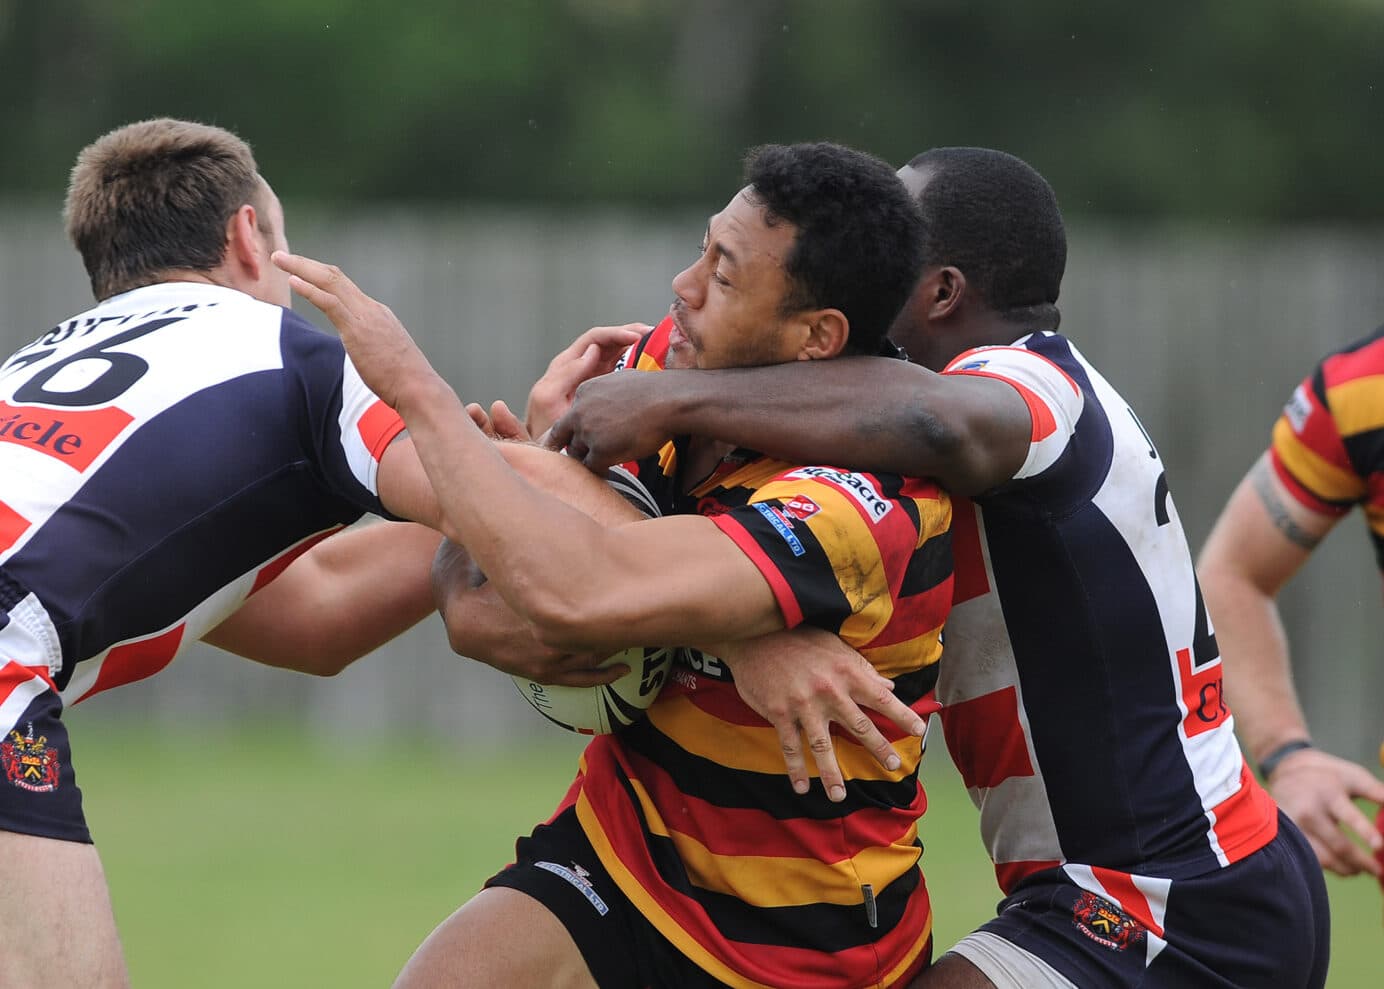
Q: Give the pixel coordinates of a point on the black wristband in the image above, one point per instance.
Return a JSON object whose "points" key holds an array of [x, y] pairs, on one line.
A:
{"points": [[1271, 761]]}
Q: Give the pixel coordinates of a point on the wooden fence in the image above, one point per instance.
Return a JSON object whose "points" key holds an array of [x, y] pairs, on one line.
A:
{"points": [[1205, 331]]}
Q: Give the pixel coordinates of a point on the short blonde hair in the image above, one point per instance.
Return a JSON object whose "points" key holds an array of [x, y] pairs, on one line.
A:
{"points": [[153, 197]]}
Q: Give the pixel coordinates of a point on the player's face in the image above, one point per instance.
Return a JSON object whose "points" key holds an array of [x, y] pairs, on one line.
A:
{"points": [[273, 280], [728, 310]]}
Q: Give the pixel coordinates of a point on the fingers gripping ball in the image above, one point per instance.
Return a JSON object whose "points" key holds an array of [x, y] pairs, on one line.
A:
{"points": [[612, 706], [609, 707]]}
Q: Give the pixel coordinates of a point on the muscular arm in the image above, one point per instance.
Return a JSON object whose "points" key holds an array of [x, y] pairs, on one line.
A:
{"points": [[346, 596], [1261, 539], [970, 433]]}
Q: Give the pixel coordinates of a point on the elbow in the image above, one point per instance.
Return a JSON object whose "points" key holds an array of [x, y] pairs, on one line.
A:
{"points": [[325, 665], [938, 448]]}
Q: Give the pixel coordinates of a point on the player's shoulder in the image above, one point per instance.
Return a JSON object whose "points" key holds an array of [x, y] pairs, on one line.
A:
{"points": [[1361, 358]]}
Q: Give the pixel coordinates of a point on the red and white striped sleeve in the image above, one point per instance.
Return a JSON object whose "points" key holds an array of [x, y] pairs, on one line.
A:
{"points": [[1054, 400]]}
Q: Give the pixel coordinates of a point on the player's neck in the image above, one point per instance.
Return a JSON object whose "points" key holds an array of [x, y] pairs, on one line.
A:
{"points": [[701, 457]]}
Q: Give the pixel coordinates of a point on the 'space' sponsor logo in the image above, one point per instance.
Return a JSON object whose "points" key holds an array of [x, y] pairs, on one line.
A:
{"points": [[875, 505]]}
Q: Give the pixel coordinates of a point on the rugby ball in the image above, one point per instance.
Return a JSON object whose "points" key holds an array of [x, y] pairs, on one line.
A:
{"points": [[609, 707]]}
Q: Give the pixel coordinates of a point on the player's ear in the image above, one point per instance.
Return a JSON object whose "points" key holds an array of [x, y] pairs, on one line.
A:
{"points": [[827, 333], [243, 241], [943, 290]]}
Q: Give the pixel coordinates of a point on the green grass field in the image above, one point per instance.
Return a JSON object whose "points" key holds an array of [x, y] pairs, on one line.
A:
{"points": [[261, 858]]}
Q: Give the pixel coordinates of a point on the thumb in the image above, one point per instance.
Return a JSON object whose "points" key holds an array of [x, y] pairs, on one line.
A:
{"points": [[507, 425]]}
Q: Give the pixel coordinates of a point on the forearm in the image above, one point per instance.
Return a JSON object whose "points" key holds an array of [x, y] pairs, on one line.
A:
{"points": [[346, 597], [564, 478], [1255, 659], [844, 411], [871, 414], [475, 487]]}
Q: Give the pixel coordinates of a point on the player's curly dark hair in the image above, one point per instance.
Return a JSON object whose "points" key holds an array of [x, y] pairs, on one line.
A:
{"points": [[859, 241], [992, 216]]}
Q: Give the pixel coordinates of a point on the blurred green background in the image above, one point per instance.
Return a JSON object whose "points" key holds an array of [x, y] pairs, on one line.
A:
{"points": [[506, 175], [1237, 110]]}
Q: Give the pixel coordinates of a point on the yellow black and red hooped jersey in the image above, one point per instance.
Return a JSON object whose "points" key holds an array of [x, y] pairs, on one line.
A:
{"points": [[1328, 445], [162, 457], [691, 810]]}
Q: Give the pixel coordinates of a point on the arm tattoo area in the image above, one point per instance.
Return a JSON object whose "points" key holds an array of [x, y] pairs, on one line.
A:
{"points": [[1278, 512]]}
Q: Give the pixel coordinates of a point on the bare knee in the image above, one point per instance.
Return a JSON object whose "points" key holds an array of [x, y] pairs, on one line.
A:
{"points": [[500, 937], [55, 893]]}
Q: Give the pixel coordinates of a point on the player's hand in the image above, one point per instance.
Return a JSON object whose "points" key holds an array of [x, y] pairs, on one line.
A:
{"points": [[613, 419], [1317, 791], [594, 353], [481, 626], [803, 681], [549, 666], [499, 423], [381, 349]]}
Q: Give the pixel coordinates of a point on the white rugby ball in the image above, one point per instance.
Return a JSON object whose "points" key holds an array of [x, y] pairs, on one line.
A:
{"points": [[609, 707]]}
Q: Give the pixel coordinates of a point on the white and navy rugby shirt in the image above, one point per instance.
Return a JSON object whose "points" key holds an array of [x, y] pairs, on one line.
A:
{"points": [[1080, 678], [163, 456]]}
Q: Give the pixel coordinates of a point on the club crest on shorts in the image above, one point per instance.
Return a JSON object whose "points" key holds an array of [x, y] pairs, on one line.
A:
{"points": [[1103, 922], [30, 763]]}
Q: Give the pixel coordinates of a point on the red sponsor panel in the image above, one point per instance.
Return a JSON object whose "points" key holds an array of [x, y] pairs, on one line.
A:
{"points": [[377, 427], [12, 526], [137, 660], [1201, 693], [74, 437], [986, 739], [968, 562]]}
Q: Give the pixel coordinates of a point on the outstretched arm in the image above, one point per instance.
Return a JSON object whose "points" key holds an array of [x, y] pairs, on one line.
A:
{"points": [[870, 413], [348, 595], [1261, 539], [585, 587]]}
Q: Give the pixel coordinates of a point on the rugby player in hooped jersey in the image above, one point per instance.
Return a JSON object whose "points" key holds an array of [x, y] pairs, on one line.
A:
{"points": [[681, 855], [170, 463], [1325, 457], [1081, 680]]}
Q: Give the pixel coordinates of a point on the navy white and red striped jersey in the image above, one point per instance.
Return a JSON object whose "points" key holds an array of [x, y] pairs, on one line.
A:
{"points": [[163, 456], [1080, 680]]}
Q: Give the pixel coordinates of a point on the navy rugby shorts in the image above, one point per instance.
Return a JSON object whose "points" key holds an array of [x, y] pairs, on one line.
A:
{"points": [[38, 788], [557, 866], [1263, 921]]}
